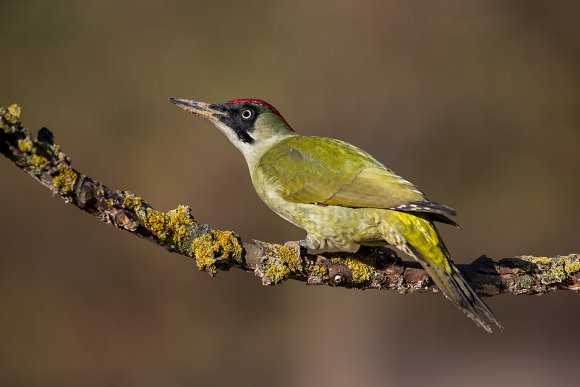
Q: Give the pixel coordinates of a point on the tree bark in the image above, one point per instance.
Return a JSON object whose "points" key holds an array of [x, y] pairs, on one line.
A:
{"points": [[215, 250]]}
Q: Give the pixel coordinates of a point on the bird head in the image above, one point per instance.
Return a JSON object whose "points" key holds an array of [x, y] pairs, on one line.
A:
{"points": [[252, 125]]}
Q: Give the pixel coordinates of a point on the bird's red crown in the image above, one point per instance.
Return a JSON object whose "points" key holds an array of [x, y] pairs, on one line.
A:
{"points": [[255, 101]]}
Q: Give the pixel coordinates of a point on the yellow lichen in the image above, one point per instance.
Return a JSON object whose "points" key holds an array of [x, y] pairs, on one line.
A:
{"points": [[172, 227], [38, 163], [9, 117], [216, 249], [13, 114], [280, 262], [132, 200], [65, 179], [572, 264], [521, 284], [362, 269], [276, 273], [179, 220], [290, 257], [553, 270], [316, 270], [553, 275], [55, 149], [25, 145], [155, 222]]}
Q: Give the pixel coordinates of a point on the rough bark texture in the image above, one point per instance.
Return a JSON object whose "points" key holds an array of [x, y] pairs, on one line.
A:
{"points": [[214, 250]]}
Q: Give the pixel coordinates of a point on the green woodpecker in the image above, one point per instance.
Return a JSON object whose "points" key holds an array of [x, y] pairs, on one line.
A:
{"points": [[339, 194]]}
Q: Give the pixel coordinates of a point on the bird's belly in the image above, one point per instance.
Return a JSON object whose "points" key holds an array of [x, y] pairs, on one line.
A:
{"points": [[359, 225], [334, 225]]}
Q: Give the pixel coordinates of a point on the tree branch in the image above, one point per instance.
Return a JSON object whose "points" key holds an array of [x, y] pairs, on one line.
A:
{"points": [[214, 250]]}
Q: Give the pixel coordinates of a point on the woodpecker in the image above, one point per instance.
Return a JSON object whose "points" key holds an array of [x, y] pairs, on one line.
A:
{"points": [[340, 195]]}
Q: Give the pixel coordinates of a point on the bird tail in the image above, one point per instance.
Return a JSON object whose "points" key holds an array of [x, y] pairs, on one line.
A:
{"points": [[452, 284], [426, 246]]}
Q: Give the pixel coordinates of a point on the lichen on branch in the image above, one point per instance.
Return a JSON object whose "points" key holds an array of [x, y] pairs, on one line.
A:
{"points": [[214, 250]]}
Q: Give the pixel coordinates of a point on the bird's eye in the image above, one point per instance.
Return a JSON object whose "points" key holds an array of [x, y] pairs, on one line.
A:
{"points": [[246, 114]]}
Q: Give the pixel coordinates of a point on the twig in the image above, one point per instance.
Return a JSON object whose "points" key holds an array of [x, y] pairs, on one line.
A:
{"points": [[214, 250]]}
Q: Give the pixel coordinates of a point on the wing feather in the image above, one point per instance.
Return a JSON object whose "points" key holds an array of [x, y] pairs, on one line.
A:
{"points": [[327, 171]]}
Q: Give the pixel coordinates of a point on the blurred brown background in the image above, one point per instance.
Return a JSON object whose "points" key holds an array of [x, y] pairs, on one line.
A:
{"points": [[475, 102]]}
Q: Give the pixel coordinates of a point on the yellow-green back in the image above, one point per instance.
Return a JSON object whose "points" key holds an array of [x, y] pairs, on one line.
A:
{"points": [[321, 170]]}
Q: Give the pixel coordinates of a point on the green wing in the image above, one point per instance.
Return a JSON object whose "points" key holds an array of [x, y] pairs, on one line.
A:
{"points": [[326, 171]]}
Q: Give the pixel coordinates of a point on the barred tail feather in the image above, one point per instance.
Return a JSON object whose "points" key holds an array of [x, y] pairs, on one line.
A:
{"points": [[457, 290]]}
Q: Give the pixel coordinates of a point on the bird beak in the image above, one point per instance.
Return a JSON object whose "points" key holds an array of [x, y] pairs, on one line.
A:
{"points": [[201, 109]]}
